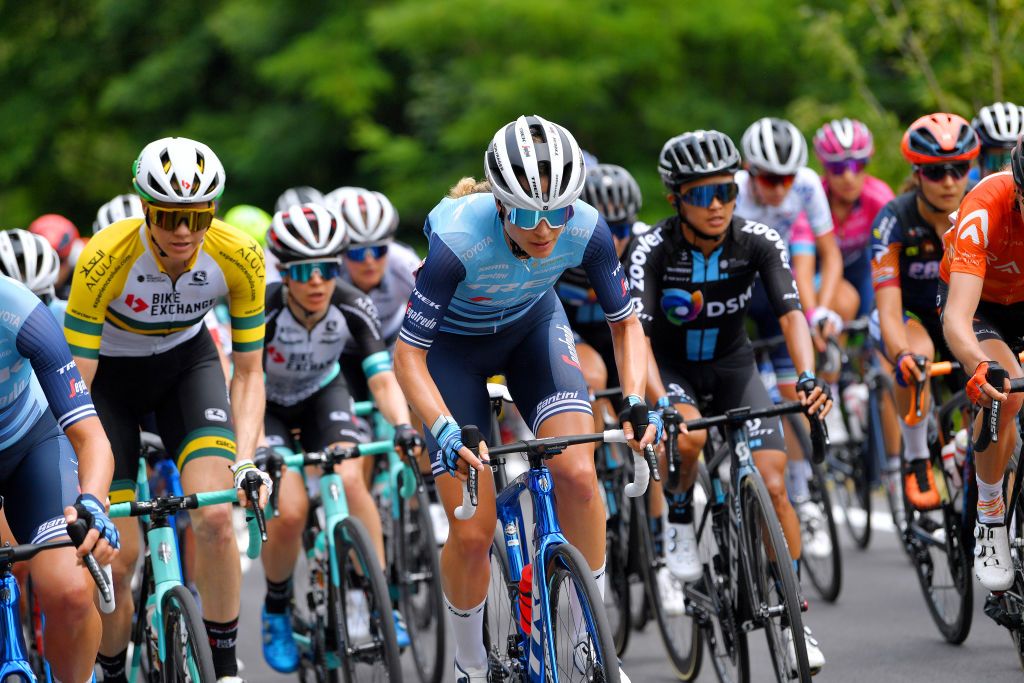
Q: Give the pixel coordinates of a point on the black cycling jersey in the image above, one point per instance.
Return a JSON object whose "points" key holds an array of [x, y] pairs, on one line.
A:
{"points": [[904, 242], [299, 362], [696, 305]]}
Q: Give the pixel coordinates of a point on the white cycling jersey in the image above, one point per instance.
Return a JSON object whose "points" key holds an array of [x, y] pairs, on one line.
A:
{"points": [[806, 197]]}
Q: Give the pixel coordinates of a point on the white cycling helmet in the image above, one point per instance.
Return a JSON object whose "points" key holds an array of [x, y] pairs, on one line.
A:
{"points": [[776, 146], [29, 259], [306, 232], [515, 164], [302, 194], [117, 209], [178, 171], [369, 216], [999, 124]]}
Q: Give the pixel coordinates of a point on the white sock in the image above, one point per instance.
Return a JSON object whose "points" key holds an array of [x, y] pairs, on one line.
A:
{"points": [[576, 609], [915, 440], [601, 579], [468, 627], [798, 473], [990, 502]]}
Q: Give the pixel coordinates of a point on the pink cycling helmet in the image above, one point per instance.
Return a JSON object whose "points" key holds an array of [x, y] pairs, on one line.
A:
{"points": [[842, 139]]}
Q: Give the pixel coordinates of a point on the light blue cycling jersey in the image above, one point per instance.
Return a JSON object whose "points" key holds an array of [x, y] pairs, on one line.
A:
{"points": [[36, 369], [58, 307], [472, 284]]}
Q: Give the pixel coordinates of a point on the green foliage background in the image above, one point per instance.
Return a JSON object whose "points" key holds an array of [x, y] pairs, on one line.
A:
{"points": [[403, 95]]}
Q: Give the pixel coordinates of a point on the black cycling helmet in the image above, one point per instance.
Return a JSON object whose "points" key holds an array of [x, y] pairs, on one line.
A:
{"points": [[695, 155], [613, 192], [1017, 164]]}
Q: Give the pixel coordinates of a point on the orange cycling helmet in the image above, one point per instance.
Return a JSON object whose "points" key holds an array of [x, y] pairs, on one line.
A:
{"points": [[58, 231], [940, 138]]}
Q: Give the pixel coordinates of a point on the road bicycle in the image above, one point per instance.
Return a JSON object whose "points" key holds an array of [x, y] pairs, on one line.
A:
{"points": [[568, 636], [346, 624], [749, 581]]}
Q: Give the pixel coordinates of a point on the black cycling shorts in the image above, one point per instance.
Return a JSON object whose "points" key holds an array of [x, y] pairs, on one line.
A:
{"points": [[185, 390], [38, 479], [326, 417], [1004, 322], [731, 381]]}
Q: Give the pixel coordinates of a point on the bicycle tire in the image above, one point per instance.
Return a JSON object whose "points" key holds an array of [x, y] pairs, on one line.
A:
{"points": [[639, 615], [145, 649], [826, 573], [502, 636], [376, 657], [187, 646], [32, 631], [678, 632], [766, 563], [565, 561], [420, 596], [726, 641], [617, 597], [952, 618]]}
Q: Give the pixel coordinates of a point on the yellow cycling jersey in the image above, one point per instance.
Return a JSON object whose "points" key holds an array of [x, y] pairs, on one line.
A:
{"points": [[123, 303]]}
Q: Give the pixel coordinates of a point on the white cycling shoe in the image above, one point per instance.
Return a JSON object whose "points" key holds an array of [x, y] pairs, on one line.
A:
{"points": [[681, 554], [992, 564], [815, 657], [583, 660], [814, 530], [670, 592]]}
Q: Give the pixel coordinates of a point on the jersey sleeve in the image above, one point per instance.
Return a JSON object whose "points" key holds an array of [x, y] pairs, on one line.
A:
{"points": [[801, 237], [99, 278], [816, 208], [967, 246], [438, 278], [773, 267], [886, 245], [245, 274], [606, 275], [643, 276], [41, 342], [364, 324]]}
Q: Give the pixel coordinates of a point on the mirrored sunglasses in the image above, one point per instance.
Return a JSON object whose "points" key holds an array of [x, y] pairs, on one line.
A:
{"points": [[854, 166], [360, 253], [703, 195], [529, 219], [773, 180], [938, 172], [303, 272], [169, 219]]}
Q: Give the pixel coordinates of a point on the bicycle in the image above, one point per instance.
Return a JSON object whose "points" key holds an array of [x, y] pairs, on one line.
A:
{"points": [[537, 653], [749, 581], [413, 570], [22, 654], [168, 640], [348, 624]]}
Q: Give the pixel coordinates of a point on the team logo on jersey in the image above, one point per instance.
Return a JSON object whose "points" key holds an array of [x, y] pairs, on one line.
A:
{"points": [[573, 358], [974, 227], [216, 415], [135, 303], [681, 306], [274, 355], [199, 277]]}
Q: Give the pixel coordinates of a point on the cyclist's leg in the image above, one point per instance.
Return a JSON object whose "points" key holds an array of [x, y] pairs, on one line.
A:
{"points": [[284, 531], [991, 463], [37, 489], [595, 375], [847, 300]]}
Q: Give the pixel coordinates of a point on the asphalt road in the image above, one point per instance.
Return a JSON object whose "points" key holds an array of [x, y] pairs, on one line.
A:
{"points": [[878, 630]]}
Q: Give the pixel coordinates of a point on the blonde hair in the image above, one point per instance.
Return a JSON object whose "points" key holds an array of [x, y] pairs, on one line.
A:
{"points": [[468, 186]]}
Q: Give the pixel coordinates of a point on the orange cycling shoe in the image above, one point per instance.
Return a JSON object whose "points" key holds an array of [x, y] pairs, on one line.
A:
{"points": [[919, 484]]}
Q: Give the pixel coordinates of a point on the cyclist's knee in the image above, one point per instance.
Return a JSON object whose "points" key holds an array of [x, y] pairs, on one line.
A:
{"points": [[576, 479], [212, 525], [66, 591], [471, 540], [354, 481]]}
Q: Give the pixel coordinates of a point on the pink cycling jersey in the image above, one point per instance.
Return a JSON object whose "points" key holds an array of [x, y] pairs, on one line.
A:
{"points": [[854, 233]]}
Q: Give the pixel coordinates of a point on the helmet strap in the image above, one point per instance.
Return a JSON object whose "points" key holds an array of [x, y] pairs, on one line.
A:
{"points": [[306, 316], [931, 207], [513, 246], [698, 234]]}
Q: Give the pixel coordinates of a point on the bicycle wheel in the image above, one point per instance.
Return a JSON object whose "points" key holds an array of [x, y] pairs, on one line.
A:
{"points": [[719, 626], [849, 474], [770, 579], [678, 631], [419, 586], [502, 636], [187, 652], [639, 615], [32, 624], [583, 646], [360, 609], [944, 569], [825, 571], [617, 597]]}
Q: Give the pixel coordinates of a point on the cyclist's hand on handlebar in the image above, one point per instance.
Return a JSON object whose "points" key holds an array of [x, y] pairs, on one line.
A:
{"points": [[665, 402], [814, 394], [978, 388], [239, 469], [825, 323], [408, 441], [651, 435], [455, 456], [908, 368], [103, 540]]}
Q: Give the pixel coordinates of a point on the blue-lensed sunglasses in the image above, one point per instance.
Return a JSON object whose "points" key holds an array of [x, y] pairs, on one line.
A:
{"points": [[529, 219], [303, 272], [702, 195], [621, 230], [360, 253]]}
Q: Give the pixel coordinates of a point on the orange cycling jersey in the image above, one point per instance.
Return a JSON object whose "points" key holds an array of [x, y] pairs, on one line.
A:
{"points": [[988, 240]]}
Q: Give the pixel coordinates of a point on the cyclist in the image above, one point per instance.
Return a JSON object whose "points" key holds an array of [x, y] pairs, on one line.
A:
{"points": [[998, 126], [117, 209], [981, 297], [311, 317], [844, 147], [53, 454], [302, 194], [376, 264], [484, 305], [29, 259], [906, 241], [777, 189], [134, 323], [64, 238], [691, 277]]}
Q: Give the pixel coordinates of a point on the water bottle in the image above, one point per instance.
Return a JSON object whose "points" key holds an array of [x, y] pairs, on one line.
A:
{"points": [[949, 464], [769, 380], [855, 401], [526, 598], [960, 443]]}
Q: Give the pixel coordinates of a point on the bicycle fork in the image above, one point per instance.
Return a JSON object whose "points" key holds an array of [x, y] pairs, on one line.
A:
{"points": [[13, 657]]}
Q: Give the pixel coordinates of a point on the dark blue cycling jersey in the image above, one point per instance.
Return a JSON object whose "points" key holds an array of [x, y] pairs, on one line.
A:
{"points": [[36, 369], [472, 284]]}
